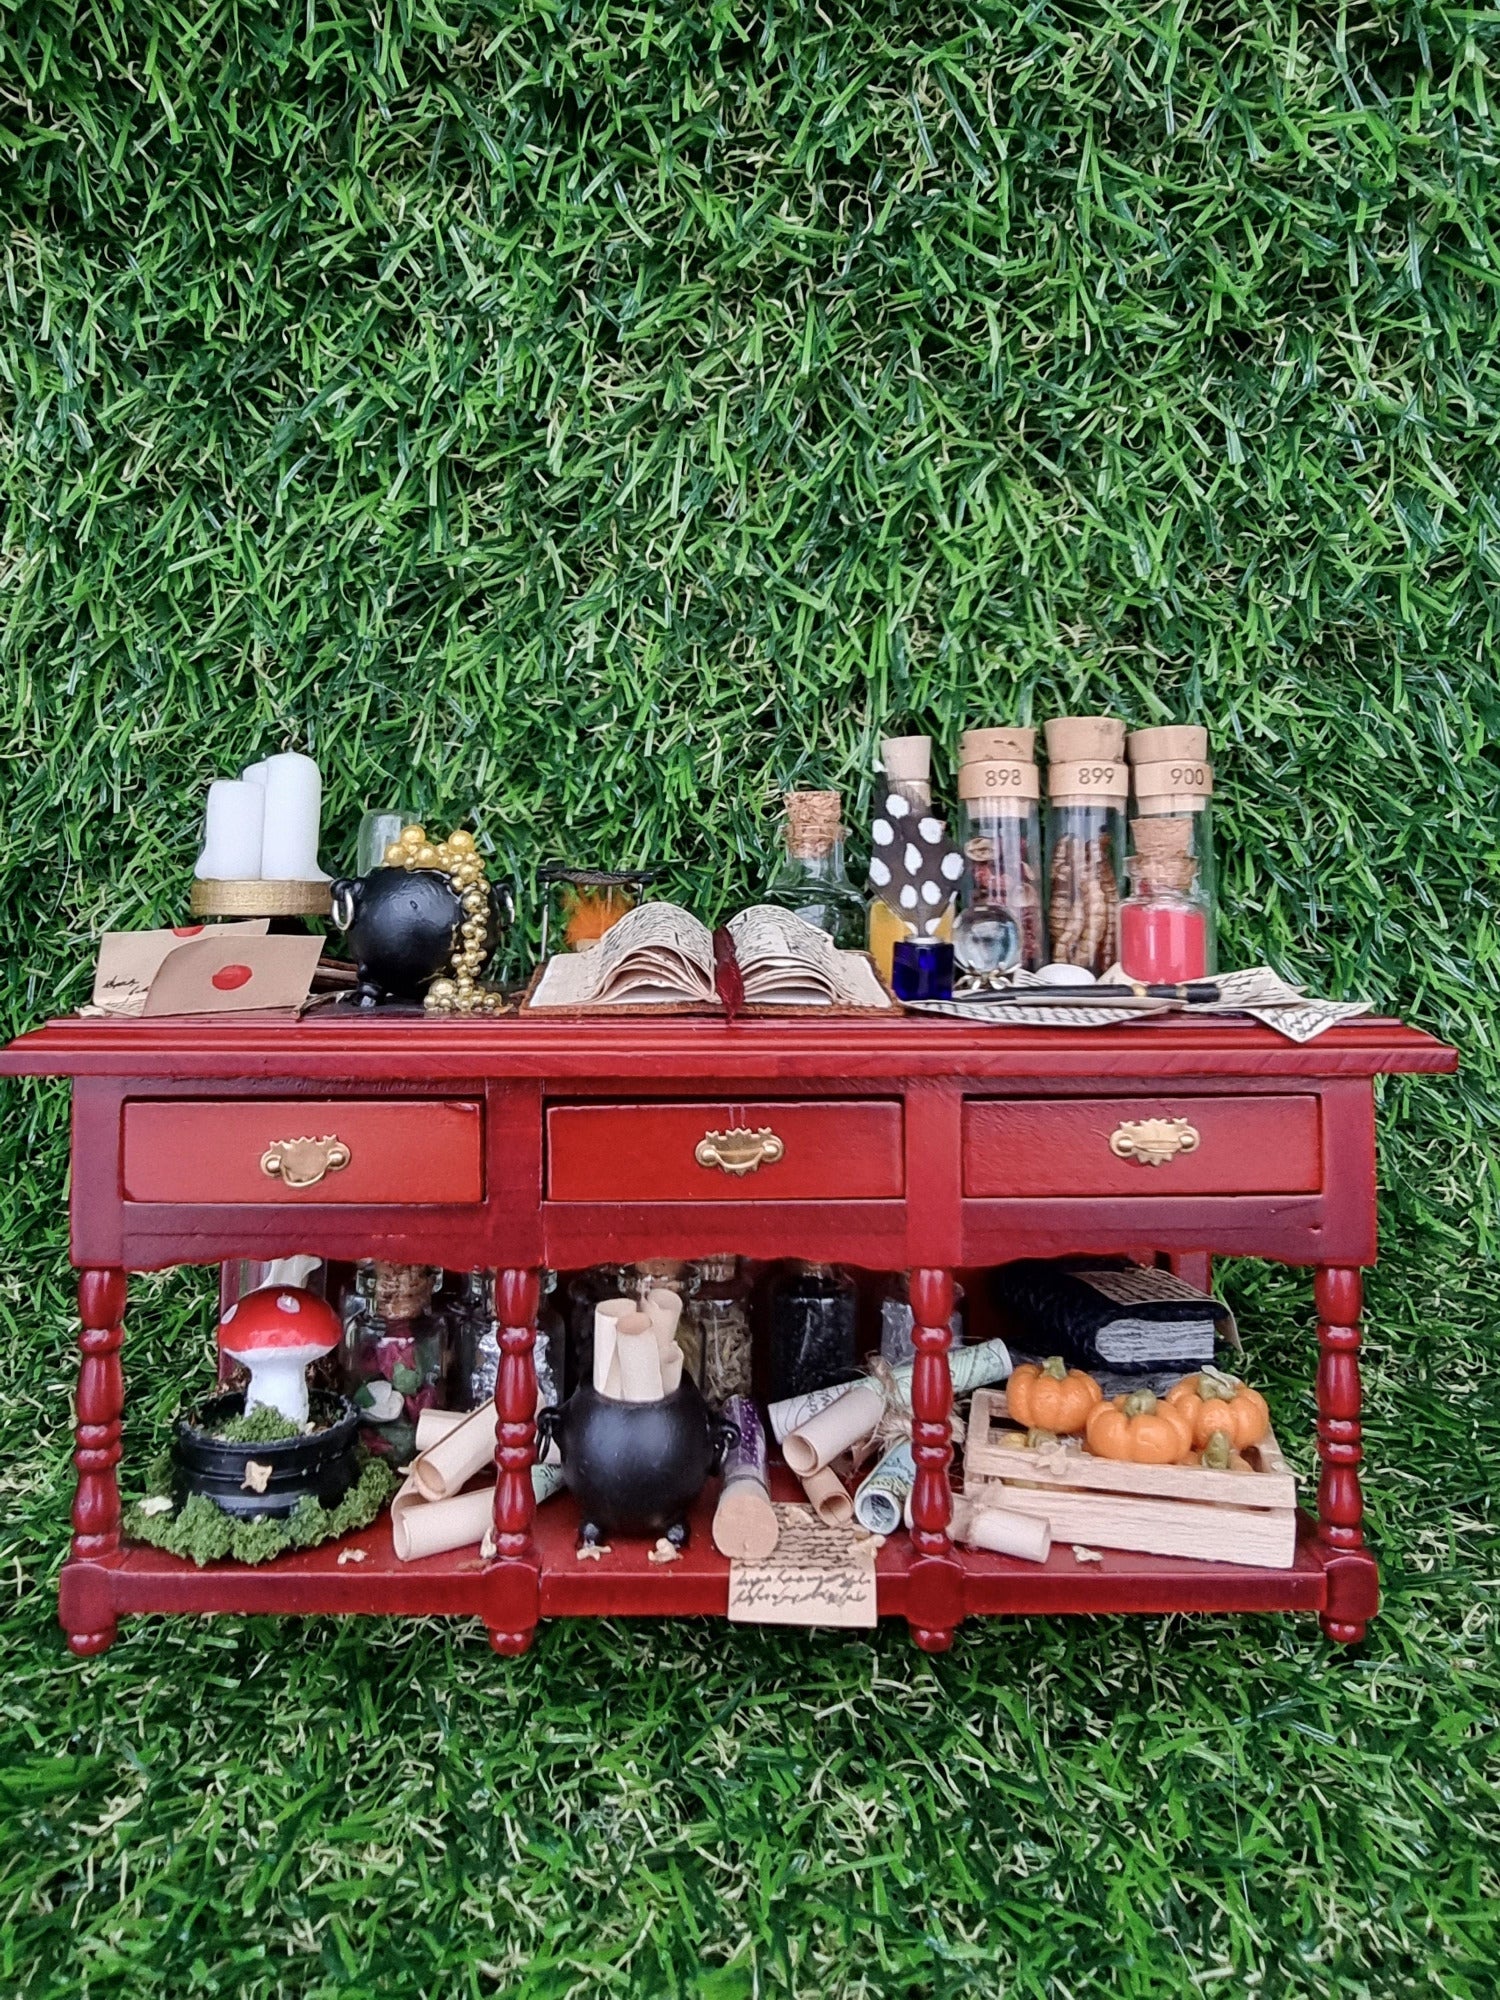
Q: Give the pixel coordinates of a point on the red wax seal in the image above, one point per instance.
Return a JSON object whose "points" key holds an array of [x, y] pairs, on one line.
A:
{"points": [[228, 977], [188, 930]]}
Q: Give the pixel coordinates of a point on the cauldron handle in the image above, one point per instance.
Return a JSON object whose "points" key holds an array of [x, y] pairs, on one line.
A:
{"points": [[725, 1436], [548, 1425], [344, 898]]}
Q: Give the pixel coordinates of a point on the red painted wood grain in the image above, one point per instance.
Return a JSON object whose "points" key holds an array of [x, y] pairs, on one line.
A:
{"points": [[1043, 1147], [208, 1151], [645, 1152]]}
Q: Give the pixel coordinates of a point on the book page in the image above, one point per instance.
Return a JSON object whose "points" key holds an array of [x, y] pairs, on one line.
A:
{"points": [[656, 952], [786, 961]]}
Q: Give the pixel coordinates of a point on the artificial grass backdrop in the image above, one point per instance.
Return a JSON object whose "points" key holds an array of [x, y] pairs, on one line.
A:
{"points": [[593, 419]]}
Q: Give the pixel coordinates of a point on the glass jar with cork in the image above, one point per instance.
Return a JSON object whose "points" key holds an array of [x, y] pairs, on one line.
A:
{"points": [[1167, 923], [812, 879], [1088, 782], [1001, 922]]}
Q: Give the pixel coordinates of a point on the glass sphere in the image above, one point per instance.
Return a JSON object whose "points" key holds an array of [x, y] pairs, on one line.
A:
{"points": [[986, 938]]}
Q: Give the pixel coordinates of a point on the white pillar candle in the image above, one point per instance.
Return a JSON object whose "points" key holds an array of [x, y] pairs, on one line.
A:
{"points": [[232, 832], [294, 796], [255, 774]]}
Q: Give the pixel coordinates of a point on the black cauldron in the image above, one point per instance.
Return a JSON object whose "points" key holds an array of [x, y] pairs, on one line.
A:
{"points": [[322, 1463], [403, 927], [636, 1468]]}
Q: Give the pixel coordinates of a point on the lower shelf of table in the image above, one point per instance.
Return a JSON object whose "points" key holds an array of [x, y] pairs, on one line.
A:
{"points": [[625, 1583]]}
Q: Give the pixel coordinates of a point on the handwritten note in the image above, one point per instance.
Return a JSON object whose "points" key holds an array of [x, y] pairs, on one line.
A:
{"points": [[819, 1575]]}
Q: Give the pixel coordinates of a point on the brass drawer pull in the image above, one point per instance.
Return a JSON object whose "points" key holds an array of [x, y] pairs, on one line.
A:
{"points": [[302, 1163], [1153, 1141], [739, 1150]]}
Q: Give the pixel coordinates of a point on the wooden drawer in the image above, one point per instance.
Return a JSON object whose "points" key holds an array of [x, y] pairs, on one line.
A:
{"points": [[674, 1152], [1041, 1147], [240, 1151]]}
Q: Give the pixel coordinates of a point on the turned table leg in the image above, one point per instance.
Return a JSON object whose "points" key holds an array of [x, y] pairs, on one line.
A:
{"points": [[1353, 1581], [518, 1295], [101, 1404], [935, 1579]]}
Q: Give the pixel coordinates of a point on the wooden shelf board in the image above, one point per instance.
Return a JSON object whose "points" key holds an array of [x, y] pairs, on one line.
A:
{"points": [[625, 1583]]}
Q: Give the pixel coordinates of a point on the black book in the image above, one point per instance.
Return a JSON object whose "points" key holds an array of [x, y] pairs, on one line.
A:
{"points": [[1121, 1317]]}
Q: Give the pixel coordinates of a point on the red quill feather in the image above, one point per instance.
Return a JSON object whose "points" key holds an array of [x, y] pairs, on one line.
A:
{"points": [[728, 980]]}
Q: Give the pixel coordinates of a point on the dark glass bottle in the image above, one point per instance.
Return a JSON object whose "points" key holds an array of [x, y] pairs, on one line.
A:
{"points": [[812, 1329]]}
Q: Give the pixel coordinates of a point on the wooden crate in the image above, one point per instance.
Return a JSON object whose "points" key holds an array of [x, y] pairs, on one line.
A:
{"points": [[1246, 1514]]}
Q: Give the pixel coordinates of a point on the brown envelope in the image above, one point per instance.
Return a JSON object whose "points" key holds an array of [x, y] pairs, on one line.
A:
{"points": [[227, 975], [130, 960]]}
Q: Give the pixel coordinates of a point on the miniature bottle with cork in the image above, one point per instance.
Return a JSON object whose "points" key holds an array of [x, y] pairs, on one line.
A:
{"points": [[1088, 782], [813, 1329], [811, 878], [914, 871], [720, 1313], [395, 1353], [1001, 923], [1167, 922]]}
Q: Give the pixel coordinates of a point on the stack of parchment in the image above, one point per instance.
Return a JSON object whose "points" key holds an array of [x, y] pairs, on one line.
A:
{"points": [[433, 1512], [875, 1415], [636, 1356]]}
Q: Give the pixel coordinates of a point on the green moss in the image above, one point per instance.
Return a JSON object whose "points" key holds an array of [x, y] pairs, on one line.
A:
{"points": [[261, 1426], [203, 1533]]}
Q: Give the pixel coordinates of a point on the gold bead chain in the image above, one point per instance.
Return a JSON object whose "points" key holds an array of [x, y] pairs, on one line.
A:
{"points": [[459, 859]]}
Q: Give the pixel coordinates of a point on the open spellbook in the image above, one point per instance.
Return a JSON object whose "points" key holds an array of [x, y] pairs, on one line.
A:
{"points": [[659, 954]]}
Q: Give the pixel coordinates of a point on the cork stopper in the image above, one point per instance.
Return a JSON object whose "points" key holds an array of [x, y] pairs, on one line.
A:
{"points": [[1148, 876], [402, 1290], [813, 823], [1162, 839], [907, 760], [999, 782], [1181, 784], [997, 746], [1088, 781], [1163, 857], [1076, 738], [1179, 740]]}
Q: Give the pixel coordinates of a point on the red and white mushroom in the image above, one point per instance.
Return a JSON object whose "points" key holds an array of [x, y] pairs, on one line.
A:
{"points": [[276, 1332]]}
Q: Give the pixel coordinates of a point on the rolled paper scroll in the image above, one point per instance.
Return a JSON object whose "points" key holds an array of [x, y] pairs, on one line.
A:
{"points": [[607, 1317], [639, 1360], [547, 1479], [433, 1527], [1002, 1532], [448, 1465], [840, 1424], [879, 1502], [233, 824], [433, 1424], [794, 1411], [679, 1342], [829, 1497], [745, 1527], [293, 807], [968, 1367]]}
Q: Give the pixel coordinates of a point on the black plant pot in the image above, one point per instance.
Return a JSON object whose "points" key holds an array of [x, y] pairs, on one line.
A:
{"points": [[321, 1463], [636, 1468]]}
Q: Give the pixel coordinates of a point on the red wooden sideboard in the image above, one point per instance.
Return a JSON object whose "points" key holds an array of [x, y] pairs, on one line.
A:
{"points": [[918, 1145]]}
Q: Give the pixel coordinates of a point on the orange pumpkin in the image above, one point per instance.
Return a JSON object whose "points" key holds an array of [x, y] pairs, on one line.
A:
{"points": [[1140, 1428], [1214, 1402], [1052, 1397]]}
